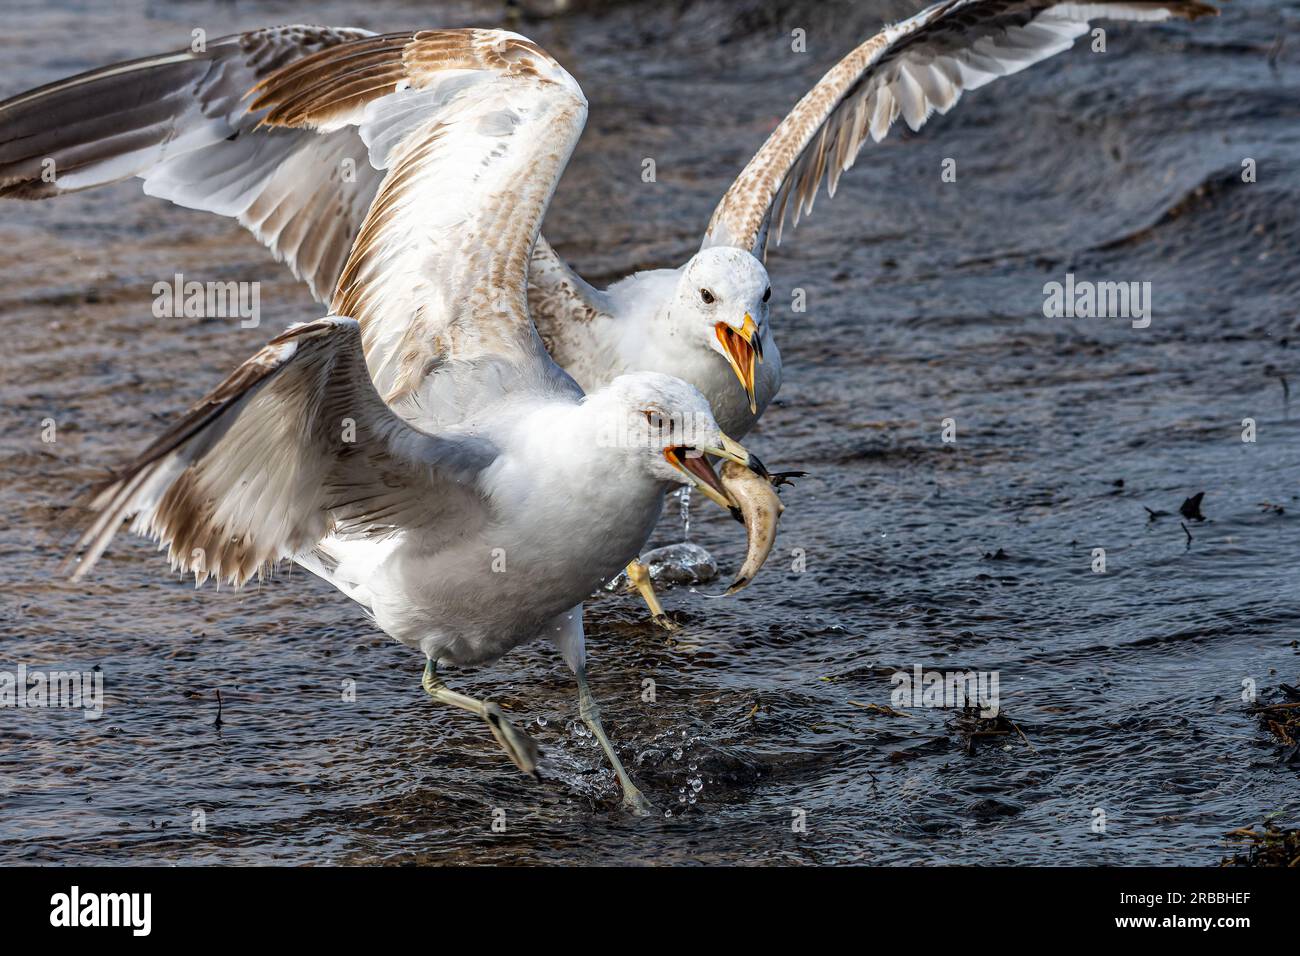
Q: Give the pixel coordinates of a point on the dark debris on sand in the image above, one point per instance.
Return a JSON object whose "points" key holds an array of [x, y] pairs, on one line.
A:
{"points": [[971, 727], [1281, 719], [1270, 845]]}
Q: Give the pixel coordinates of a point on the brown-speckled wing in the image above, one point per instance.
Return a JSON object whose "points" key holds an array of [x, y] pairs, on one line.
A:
{"points": [[179, 123], [473, 129], [911, 69], [294, 445]]}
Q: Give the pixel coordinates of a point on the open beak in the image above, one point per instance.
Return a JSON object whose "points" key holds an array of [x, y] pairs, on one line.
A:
{"points": [[693, 462], [694, 465], [743, 349], [733, 450]]}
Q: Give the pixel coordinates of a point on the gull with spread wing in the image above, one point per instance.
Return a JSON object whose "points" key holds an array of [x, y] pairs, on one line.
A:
{"points": [[185, 124], [497, 455]]}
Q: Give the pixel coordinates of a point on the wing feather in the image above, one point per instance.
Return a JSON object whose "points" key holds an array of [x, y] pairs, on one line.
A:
{"points": [[912, 70], [473, 129], [294, 445], [177, 122], [181, 122]]}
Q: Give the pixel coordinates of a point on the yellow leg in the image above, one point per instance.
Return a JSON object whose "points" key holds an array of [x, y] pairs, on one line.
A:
{"points": [[633, 799], [519, 747], [639, 575]]}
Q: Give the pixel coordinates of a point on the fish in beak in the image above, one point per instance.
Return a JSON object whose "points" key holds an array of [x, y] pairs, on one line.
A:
{"points": [[743, 348], [760, 509], [693, 463], [745, 489]]}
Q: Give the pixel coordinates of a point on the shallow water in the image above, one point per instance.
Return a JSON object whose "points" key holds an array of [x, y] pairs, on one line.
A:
{"points": [[924, 303]]}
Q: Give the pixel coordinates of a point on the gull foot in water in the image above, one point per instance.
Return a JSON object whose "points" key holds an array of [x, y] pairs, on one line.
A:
{"points": [[519, 747], [634, 802], [666, 622], [633, 799]]}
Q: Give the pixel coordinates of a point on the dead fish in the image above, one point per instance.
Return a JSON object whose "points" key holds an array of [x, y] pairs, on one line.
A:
{"points": [[759, 508]]}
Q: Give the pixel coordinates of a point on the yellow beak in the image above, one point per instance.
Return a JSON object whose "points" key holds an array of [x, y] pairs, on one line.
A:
{"points": [[732, 450], [743, 349], [693, 463]]}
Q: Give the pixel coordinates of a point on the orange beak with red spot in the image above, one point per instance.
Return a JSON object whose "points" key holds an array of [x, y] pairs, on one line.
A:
{"points": [[743, 349], [691, 461]]}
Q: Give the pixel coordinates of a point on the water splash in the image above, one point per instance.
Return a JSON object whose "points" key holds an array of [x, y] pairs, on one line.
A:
{"points": [[673, 564]]}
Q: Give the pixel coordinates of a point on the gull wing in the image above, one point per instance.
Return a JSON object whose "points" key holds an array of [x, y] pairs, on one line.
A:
{"points": [[294, 445], [179, 123], [560, 300], [473, 129], [912, 69]]}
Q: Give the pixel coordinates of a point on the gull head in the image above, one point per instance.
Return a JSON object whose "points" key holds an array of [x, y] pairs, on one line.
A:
{"points": [[723, 296], [665, 425]]}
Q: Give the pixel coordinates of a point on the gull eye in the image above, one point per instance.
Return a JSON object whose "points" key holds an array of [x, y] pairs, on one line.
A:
{"points": [[708, 297], [768, 294]]}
